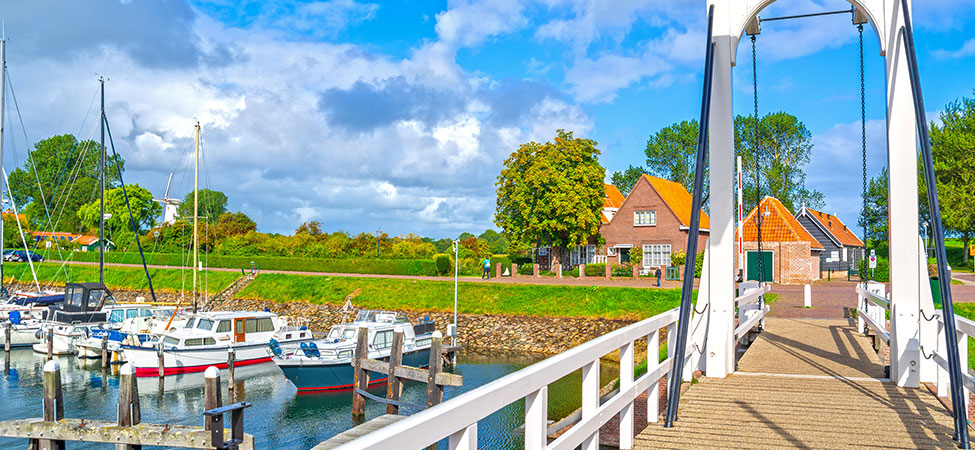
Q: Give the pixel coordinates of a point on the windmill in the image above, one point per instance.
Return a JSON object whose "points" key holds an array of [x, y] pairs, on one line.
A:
{"points": [[170, 205]]}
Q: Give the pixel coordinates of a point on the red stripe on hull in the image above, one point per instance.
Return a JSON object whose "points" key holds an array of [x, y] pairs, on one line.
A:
{"points": [[343, 387], [154, 371]]}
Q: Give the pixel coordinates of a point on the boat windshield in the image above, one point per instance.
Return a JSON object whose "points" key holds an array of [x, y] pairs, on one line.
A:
{"points": [[381, 317], [205, 324], [189, 323], [171, 341]]}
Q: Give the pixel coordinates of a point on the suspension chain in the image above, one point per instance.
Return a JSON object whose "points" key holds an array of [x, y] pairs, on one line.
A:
{"points": [[758, 183], [863, 143]]}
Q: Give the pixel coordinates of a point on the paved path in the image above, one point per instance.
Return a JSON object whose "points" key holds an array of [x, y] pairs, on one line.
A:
{"points": [[805, 383]]}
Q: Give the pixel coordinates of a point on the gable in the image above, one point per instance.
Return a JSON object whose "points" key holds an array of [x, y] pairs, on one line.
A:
{"points": [[832, 225], [778, 226], [678, 200]]}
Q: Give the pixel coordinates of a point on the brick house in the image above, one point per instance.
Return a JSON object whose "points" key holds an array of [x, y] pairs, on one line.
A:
{"points": [[655, 220], [586, 254], [790, 253], [842, 249]]}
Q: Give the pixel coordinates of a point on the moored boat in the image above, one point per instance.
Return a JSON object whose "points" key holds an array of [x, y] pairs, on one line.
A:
{"points": [[73, 322], [327, 364]]}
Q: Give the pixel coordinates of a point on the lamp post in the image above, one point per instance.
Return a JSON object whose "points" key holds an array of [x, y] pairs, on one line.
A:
{"points": [[378, 232], [453, 338]]}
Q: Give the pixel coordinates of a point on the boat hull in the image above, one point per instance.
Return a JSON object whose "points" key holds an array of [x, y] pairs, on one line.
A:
{"points": [[310, 375], [20, 336]]}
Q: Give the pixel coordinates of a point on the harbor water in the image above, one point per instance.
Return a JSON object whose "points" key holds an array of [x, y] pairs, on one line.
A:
{"points": [[280, 418]]}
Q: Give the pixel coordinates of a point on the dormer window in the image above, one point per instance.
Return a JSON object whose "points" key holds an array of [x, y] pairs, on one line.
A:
{"points": [[645, 218]]}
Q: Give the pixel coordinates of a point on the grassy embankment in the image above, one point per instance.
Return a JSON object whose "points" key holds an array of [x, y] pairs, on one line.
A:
{"points": [[163, 280], [473, 298]]}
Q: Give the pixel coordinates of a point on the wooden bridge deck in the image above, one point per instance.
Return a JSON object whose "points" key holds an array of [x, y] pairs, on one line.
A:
{"points": [[813, 384]]}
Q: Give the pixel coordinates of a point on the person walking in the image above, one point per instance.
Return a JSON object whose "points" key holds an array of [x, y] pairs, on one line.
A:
{"points": [[487, 269], [657, 274]]}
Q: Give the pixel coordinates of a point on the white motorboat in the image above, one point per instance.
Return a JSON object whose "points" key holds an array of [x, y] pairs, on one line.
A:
{"points": [[74, 321]]}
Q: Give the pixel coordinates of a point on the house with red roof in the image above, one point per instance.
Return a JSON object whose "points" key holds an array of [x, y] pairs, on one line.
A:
{"points": [[654, 220], [790, 254], [842, 249]]}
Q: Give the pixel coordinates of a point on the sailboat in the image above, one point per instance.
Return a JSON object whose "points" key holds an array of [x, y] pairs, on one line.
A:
{"points": [[206, 338]]}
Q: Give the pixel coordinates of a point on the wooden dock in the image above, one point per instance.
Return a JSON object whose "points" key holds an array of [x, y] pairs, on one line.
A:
{"points": [[359, 431]]}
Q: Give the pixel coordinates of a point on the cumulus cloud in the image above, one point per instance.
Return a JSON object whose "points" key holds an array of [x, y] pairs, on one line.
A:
{"points": [[967, 49]]}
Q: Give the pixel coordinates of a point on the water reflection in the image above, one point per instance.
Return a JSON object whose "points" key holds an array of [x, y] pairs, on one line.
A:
{"points": [[280, 418]]}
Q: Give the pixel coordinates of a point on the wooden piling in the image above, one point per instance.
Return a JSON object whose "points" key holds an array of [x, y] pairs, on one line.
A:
{"points": [[211, 391], [162, 358], [231, 359], [394, 387], [105, 349], [7, 332], [129, 413], [434, 390], [361, 380], [50, 344], [53, 403]]}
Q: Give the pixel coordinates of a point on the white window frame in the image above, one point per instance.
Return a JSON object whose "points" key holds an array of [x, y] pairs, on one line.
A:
{"points": [[656, 255], [651, 218], [610, 251], [584, 254]]}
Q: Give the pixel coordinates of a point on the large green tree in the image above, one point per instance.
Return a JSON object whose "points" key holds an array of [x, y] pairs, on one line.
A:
{"points": [[145, 210], [64, 173], [625, 180], [874, 218], [672, 154], [775, 159], [953, 151], [551, 194], [212, 205]]}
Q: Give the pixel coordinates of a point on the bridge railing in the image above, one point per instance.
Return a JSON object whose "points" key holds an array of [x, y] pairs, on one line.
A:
{"points": [[751, 309], [872, 307], [457, 418], [965, 329]]}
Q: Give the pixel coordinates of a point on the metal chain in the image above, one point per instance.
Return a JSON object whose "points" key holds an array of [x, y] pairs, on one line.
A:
{"points": [[758, 184], [863, 142]]}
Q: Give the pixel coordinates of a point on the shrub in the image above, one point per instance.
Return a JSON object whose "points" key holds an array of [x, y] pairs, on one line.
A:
{"points": [[881, 273], [622, 271], [521, 260], [526, 268], [678, 258], [698, 265], [443, 264], [596, 270]]}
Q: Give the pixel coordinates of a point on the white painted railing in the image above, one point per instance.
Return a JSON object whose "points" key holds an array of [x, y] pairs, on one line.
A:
{"points": [[750, 311], [872, 307], [457, 418], [965, 329]]}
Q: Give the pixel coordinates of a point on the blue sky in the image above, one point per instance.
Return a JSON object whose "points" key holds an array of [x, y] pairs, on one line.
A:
{"points": [[398, 114]]}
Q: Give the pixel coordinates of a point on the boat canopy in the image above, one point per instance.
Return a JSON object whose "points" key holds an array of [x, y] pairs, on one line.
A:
{"points": [[374, 316]]}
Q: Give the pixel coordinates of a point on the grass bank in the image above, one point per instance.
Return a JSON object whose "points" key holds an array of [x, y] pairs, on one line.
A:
{"points": [[171, 280], [473, 298]]}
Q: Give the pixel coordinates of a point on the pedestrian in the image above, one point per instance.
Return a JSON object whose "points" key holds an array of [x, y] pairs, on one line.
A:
{"points": [[486, 274], [656, 273]]}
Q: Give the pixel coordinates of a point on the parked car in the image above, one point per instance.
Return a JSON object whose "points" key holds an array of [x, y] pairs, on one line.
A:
{"points": [[8, 255], [22, 255]]}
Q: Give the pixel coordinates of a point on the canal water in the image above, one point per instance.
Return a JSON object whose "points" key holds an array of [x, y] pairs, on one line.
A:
{"points": [[280, 418]]}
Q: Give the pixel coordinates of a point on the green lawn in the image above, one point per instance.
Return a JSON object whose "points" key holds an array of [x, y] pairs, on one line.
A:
{"points": [[171, 280], [955, 253], [473, 298]]}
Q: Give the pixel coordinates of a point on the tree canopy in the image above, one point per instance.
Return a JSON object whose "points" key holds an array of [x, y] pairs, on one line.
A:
{"points": [[625, 180], [953, 151], [551, 193], [212, 205], [874, 218], [145, 210]]}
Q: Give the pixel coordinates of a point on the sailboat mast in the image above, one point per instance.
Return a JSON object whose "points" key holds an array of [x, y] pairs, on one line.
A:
{"points": [[101, 217], [3, 91], [196, 212]]}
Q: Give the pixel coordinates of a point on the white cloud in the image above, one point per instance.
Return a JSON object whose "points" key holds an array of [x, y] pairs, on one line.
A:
{"points": [[598, 80], [967, 49], [468, 23]]}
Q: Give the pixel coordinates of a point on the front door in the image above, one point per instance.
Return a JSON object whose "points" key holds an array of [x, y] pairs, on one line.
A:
{"points": [[752, 274], [239, 334], [624, 255]]}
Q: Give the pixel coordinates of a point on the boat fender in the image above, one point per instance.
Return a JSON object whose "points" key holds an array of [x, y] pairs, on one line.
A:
{"points": [[39, 334]]}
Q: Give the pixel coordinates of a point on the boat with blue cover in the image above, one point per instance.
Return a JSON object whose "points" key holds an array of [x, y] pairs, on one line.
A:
{"points": [[327, 364]]}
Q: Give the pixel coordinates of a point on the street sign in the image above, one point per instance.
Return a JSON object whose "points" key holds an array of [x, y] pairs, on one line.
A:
{"points": [[873, 252], [873, 261], [971, 250]]}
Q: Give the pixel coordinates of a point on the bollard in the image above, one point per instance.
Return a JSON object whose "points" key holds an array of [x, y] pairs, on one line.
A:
{"points": [[361, 380], [394, 387], [161, 357], [105, 349], [6, 334], [211, 391], [50, 344], [807, 296], [535, 270], [129, 413], [582, 270], [53, 403], [231, 359]]}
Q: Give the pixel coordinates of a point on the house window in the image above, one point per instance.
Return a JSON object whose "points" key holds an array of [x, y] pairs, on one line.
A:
{"points": [[644, 218], [611, 251], [582, 255], [656, 255]]}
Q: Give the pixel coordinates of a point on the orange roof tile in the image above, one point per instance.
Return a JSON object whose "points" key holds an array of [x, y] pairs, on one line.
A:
{"points": [[838, 229], [86, 240], [613, 199], [778, 226], [678, 199]]}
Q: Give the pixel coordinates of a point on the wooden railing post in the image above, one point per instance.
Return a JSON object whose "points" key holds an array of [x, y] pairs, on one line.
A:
{"points": [[394, 388], [129, 413], [105, 349], [862, 308], [361, 379], [53, 404], [536, 419], [434, 390], [626, 383], [653, 396], [590, 401], [211, 392], [942, 381]]}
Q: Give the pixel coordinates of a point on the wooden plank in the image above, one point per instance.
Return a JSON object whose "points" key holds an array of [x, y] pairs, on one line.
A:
{"points": [[108, 432], [394, 387], [375, 365], [358, 431], [361, 379], [412, 373], [434, 391]]}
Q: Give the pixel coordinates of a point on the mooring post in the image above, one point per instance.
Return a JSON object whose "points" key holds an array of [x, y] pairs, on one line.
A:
{"points": [[394, 388], [361, 377], [161, 358], [6, 334], [231, 358], [434, 390], [50, 344], [129, 413], [53, 404], [211, 392], [105, 349]]}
